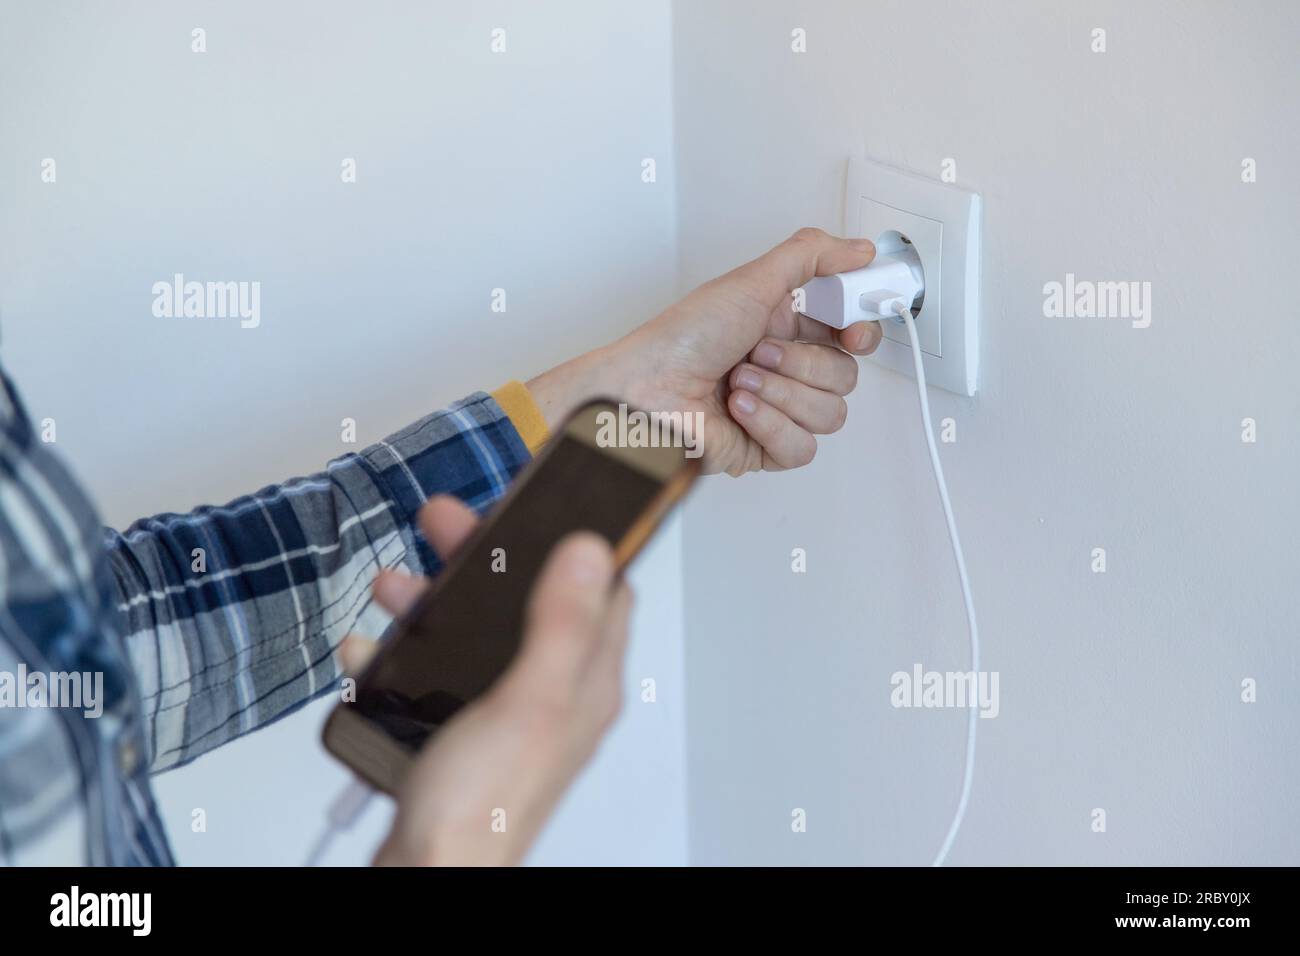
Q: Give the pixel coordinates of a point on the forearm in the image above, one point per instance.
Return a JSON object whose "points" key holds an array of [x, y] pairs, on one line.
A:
{"points": [[561, 390], [232, 614]]}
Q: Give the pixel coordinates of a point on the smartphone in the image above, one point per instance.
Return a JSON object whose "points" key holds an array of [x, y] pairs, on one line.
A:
{"points": [[466, 628]]}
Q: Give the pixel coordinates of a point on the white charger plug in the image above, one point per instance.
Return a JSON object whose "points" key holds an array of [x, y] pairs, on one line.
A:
{"points": [[894, 278]]}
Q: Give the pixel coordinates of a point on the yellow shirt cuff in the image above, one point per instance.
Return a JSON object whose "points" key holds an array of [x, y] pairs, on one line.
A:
{"points": [[517, 402]]}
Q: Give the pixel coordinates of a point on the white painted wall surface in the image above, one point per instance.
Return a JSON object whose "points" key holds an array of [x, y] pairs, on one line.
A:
{"points": [[1119, 690], [476, 171]]}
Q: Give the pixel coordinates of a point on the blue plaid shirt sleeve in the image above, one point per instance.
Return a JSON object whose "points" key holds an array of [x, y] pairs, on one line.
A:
{"points": [[231, 615], [185, 631]]}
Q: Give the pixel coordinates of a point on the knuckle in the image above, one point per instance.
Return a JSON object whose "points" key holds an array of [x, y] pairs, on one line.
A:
{"points": [[768, 429], [807, 234], [534, 707], [557, 623], [776, 390], [874, 344], [851, 373], [804, 362], [840, 416], [769, 340], [806, 454]]}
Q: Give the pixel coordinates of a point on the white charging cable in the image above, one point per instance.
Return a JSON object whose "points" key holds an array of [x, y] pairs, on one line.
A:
{"points": [[972, 722], [876, 293], [343, 812]]}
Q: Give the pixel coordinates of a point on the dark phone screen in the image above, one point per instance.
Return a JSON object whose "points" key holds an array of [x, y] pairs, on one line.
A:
{"points": [[470, 630]]}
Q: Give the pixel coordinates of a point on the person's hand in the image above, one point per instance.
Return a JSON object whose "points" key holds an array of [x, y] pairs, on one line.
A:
{"points": [[766, 378], [480, 790]]}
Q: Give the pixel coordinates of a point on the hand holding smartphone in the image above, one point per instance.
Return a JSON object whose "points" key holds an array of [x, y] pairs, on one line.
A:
{"points": [[463, 634]]}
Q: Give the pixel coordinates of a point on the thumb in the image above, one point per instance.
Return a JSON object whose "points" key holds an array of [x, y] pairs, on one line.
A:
{"points": [[396, 591], [565, 612], [808, 253]]}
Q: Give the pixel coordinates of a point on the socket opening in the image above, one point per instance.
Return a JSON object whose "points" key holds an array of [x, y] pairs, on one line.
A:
{"points": [[893, 242]]}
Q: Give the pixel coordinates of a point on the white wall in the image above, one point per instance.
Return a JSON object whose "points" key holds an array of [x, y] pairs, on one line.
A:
{"points": [[476, 171], [1118, 691]]}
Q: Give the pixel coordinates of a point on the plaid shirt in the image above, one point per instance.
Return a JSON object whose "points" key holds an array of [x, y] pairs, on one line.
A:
{"points": [[203, 626]]}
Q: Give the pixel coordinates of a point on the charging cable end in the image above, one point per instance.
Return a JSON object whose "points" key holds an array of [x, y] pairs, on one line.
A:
{"points": [[885, 304], [343, 812], [870, 294]]}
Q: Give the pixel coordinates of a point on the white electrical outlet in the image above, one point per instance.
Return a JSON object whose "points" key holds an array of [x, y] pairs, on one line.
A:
{"points": [[943, 224]]}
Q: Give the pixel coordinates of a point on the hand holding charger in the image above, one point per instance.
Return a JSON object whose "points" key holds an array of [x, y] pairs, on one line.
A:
{"points": [[894, 279]]}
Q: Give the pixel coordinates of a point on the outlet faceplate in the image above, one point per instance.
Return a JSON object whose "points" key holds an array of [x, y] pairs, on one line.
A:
{"points": [[943, 224], [879, 222]]}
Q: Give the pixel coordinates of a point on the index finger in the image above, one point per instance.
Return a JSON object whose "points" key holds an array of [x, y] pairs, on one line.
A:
{"points": [[808, 253], [860, 338]]}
